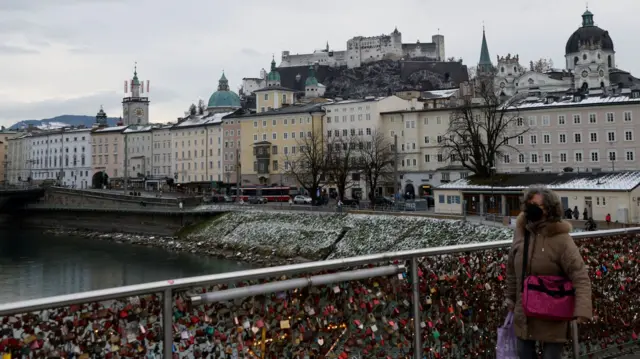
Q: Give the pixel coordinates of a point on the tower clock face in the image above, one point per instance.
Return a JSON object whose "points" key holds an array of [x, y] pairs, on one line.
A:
{"points": [[585, 73], [139, 112]]}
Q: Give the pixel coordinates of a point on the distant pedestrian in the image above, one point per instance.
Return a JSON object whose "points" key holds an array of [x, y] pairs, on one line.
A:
{"points": [[608, 219], [576, 213], [585, 214], [568, 213]]}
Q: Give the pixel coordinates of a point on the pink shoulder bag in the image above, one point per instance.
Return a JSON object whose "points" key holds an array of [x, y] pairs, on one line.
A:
{"points": [[547, 297]]}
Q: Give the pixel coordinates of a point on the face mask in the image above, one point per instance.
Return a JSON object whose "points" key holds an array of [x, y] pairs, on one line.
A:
{"points": [[533, 212]]}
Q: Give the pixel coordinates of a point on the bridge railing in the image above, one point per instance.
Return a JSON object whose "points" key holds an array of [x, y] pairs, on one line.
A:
{"points": [[443, 302]]}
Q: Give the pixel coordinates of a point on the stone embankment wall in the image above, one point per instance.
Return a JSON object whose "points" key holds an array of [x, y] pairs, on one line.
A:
{"points": [[111, 220], [82, 198]]}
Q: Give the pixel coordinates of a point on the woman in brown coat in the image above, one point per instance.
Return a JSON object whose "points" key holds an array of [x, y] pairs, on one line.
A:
{"points": [[552, 251]]}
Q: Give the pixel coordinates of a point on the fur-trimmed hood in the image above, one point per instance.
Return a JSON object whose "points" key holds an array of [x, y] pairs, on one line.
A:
{"points": [[547, 229]]}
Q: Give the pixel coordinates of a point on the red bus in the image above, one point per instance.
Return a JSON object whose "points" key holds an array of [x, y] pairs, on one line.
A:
{"points": [[272, 194]]}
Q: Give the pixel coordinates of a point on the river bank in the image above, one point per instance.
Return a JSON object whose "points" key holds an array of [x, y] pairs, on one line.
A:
{"points": [[274, 238]]}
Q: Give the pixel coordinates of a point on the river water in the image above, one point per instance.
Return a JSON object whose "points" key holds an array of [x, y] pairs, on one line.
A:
{"points": [[35, 265]]}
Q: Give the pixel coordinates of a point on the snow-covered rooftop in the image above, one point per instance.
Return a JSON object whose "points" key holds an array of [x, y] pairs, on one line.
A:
{"points": [[201, 120], [110, 129], [440, 93], [587, 181], [134, 129], [344, 102], [568, 101]]}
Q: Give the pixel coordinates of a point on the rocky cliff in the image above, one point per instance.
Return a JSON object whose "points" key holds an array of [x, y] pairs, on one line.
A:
{"points": [[380, 78]]}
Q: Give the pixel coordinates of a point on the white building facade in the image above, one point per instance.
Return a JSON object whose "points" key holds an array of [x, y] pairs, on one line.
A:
{"points": [[197, 151], [161, 158], [63, 156], [359, 118]]}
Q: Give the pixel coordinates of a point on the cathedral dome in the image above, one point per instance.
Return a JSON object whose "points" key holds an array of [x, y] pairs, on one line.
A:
{"points": [[589, 33], [224, 97]]}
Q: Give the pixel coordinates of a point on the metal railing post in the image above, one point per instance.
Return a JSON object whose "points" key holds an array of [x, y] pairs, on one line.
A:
{"points": [[415, 287], [167, 323]]}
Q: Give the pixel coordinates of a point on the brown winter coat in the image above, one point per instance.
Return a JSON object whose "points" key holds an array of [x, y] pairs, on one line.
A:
{"points": [[552, 251]]}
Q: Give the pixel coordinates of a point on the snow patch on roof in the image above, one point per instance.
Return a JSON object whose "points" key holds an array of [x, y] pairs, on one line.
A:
{"points": [[201, 120], [112, 129], [619, 181]]}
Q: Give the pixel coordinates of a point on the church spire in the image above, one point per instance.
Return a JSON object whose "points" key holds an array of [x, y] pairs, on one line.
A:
{"points": [[484, 65], [587, 18]]}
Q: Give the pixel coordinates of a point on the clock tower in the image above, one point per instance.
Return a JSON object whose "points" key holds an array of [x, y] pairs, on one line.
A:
{"points": [[135, 109]]}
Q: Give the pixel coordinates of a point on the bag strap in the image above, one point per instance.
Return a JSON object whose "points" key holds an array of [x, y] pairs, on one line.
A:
{"points": [[525, 256], [508, 320]]}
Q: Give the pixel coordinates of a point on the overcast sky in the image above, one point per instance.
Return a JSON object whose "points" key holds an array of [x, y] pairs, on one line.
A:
{"points": [[71, 56]]}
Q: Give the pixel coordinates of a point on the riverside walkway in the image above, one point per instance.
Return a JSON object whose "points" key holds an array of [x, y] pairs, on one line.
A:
{"points": [[444, 302]]}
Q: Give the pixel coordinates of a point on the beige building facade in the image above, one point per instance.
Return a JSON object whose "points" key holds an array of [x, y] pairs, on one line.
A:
{"points": [[5, 136], [107, 146], [271, 139]]}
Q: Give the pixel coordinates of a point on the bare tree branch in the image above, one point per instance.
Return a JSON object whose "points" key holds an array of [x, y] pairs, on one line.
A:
{"points": [[482, 129], [307, 162], [376, 160], [341, 157]]}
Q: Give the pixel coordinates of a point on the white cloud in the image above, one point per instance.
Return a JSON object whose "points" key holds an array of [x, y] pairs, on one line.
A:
{"points": [[86, 48]]}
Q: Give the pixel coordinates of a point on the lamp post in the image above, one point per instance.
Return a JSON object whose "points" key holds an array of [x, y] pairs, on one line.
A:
{"points": [[493, 200]]}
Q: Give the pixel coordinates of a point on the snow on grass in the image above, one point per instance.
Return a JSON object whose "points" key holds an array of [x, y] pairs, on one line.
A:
{"points": [[312, 235]]}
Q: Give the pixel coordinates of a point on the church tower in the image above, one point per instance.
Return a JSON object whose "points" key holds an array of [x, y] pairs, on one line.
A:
{"points": [[101, 118], [135, 109], [485, 67]]}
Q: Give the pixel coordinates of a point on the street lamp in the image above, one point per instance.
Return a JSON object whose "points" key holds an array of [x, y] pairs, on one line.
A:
{"points": [[493, 200]]}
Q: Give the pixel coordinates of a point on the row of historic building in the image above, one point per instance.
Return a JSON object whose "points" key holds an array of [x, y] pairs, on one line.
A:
{"points": [[573, 122]]}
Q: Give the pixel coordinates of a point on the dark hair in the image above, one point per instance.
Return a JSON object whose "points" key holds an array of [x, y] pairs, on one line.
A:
{"points": [[550, 201]]}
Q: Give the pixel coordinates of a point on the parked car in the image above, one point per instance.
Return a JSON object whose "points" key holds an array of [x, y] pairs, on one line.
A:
{"points": [[383, 201], [350, 202], [302, 200], [257, 200], [228, 199]]}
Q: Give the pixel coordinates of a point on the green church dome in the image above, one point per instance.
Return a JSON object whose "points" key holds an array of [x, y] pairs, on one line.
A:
{"points": [[224, 97], [274, 75], [311, 78]]}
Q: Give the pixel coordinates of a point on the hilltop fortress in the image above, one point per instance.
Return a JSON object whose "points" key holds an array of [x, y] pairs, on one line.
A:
{"points": [[361, 50]]}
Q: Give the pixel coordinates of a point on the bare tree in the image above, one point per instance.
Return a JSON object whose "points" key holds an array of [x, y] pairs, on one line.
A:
{"points": [[376, 161], [201, 107], [308, 164], [541, 65], [482, 129], [341, 156], [472, 71]]}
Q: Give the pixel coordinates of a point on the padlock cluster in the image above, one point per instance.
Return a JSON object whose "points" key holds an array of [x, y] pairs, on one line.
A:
{"points": [[461, 305]]}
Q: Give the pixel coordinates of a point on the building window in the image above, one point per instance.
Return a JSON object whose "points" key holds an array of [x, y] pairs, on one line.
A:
{"points": [[578, 156], [534, 158], [594, 156], [547, 158], [630, 155], [562, 138], [445, 176], [520, 139], [546, 138], [521, 158], [440, 159], [533, 139], [266, 96], [546, 121], [576, 119], [577, 138], [427, 158], [506, 159], [611, 136], [610, 117], [563, 157], [627, 116], [255, 124], [628, 135], [561, 120], [612, 156]]}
